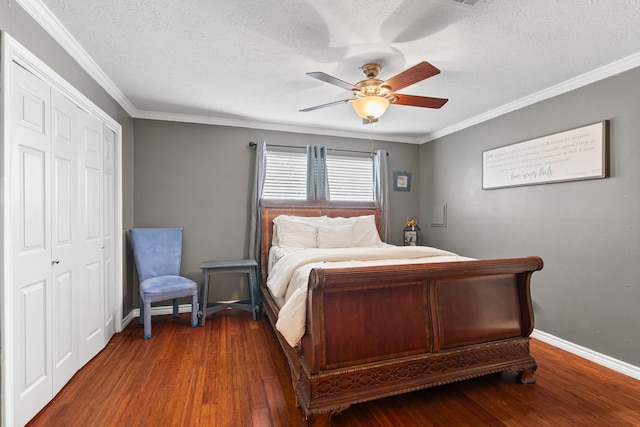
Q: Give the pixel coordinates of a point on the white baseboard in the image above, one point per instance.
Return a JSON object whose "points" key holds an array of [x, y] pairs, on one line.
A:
{"points": [[155, 311], [128, 318], [599, 358], [594, 356], [163, 309]]}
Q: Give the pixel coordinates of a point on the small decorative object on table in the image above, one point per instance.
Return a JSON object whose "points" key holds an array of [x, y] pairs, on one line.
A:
{"points": [[411, 233]]}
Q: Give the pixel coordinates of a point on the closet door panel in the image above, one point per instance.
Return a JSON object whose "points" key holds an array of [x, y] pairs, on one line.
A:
{"points": [[30, 216], [109, 233], [63, 219], [90, 239], [33, 170]]}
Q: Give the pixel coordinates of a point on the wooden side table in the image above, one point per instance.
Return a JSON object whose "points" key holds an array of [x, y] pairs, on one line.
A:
{"points": [[247, 266]]}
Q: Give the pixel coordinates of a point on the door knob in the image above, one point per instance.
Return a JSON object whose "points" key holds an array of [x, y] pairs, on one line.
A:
{"points": [[55, 261]]}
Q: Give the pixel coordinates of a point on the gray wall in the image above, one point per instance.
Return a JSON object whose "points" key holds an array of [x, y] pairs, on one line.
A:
{"points": [[198, 177], [15, 21], [206, 167], [587, 232]]}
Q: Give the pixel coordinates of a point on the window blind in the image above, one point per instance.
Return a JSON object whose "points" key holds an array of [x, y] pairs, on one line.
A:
{"points": [[350, 178], [286, 176]]}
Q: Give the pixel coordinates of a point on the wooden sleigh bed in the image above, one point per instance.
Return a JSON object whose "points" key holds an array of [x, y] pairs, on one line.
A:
{"points": [[373, 332]]}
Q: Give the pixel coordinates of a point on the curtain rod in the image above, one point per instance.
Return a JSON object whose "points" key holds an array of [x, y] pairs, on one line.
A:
{"points": [[253, 144]]}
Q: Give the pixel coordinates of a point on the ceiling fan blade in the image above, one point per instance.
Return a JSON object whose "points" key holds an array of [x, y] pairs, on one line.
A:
{"points": [[412, 75], [317, 107], [331, 80], [419, 101]]}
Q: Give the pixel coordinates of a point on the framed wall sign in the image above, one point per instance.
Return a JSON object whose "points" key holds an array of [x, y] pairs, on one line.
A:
{"points": [[575, 154], [402, 181]]}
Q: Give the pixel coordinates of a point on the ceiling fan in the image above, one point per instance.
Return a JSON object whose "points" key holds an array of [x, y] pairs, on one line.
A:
{"points": [[373, 96]]}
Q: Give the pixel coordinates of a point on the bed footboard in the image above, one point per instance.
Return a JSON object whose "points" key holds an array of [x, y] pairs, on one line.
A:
{"points": [[378, 331]]}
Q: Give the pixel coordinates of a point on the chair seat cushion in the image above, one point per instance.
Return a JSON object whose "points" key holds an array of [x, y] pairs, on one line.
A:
{"points": [[167, 287]]}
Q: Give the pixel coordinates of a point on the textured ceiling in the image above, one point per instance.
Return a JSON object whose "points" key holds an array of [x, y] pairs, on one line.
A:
{"points": [[244, 62]]}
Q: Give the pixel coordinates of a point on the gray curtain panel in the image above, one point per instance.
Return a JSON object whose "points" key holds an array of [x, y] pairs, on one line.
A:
{"points": [[259, 174], [317, 177], [381, 189]]}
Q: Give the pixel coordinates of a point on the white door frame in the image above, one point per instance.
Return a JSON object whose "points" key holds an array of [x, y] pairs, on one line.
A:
{"points": [[12, 50]]}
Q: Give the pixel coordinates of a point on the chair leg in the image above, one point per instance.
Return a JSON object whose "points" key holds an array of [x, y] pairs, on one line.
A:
{"points": [[147, 320], [175, 307], [194, 310], [141, 311]]}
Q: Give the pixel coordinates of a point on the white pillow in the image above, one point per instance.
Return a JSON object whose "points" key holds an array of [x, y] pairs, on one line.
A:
{"points": [[335, 236], [313, 220], [287, 219], [364, 230], [293, 233]]}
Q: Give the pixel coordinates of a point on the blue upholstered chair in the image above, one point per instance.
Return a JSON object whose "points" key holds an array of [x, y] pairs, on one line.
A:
{"points": [[158, 253]]}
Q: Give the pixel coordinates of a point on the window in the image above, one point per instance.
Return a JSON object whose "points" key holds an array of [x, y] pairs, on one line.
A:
{"points": [[350, 177], [286, 176]]}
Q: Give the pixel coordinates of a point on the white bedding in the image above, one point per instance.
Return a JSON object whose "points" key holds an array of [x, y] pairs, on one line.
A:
{"points": [[289, 274]]}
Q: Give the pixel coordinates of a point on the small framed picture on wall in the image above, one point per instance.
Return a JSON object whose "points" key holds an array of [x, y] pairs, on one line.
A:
{"points": [[402, 181]]}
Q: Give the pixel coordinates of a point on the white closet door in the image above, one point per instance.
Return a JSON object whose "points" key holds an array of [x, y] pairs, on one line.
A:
{"points": [[60, 258], [31, 250], [109, 234], [63, 219], [90, 239]]}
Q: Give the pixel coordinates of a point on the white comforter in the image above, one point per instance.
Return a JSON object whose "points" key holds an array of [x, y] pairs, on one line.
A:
{"points": [[289, 276]]}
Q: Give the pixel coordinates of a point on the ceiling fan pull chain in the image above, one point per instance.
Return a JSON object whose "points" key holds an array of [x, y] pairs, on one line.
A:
{"points": [[371, 139]]}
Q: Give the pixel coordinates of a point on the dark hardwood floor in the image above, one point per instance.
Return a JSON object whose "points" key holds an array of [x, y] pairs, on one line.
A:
{"points": [[232, 372]]}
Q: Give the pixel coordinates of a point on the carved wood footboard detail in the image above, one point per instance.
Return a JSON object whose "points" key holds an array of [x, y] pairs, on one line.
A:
{"points": [[334, 391], [435, 369]]}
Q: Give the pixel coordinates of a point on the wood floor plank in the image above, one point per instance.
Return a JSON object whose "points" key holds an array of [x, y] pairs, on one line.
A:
{"points": [[232, 372]]}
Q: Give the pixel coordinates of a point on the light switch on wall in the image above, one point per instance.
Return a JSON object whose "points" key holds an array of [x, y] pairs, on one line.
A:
{"points": [[439, 215]]}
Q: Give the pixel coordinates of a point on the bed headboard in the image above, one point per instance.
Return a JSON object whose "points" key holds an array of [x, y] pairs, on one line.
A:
{"points": [[270, 209]]}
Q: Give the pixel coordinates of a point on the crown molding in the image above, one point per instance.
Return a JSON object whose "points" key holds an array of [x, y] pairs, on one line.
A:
{"points": [[617, 67], [43, 16], [24, 57], [209, 120], [47, 20], [50, 23]]}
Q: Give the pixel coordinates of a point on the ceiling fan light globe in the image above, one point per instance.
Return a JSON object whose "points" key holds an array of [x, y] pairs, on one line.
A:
{"points": [[370, 107]]}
